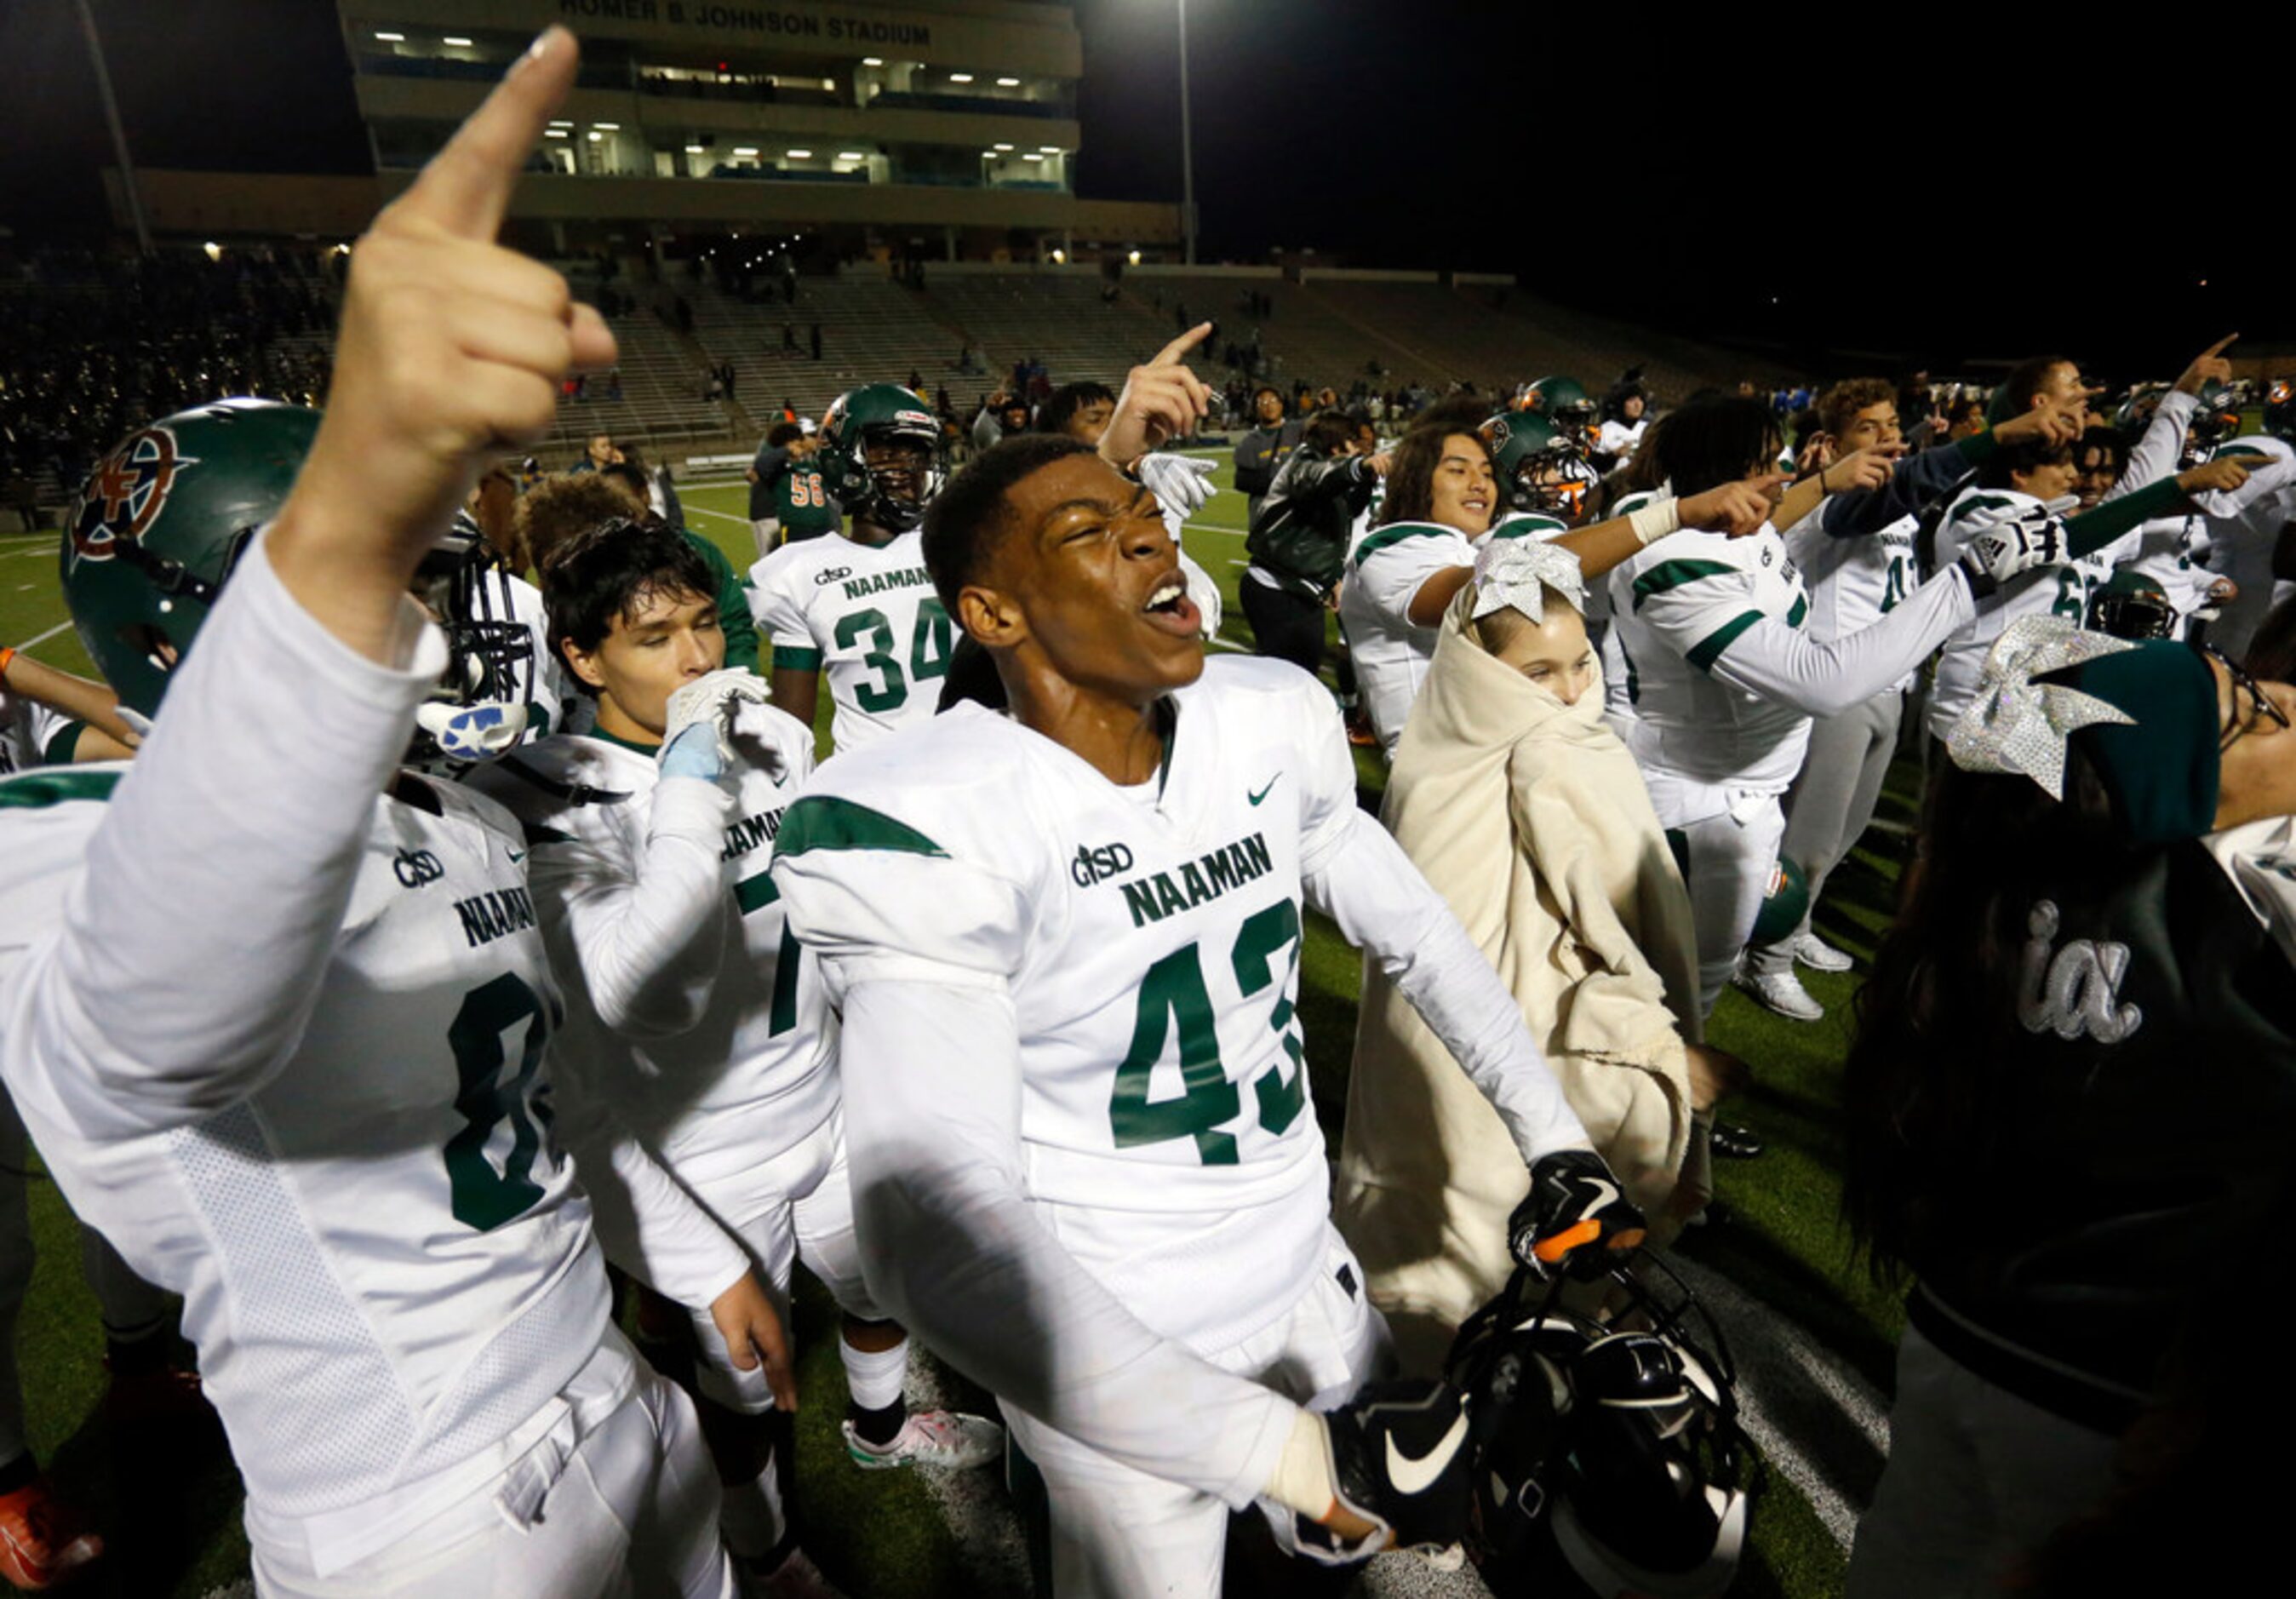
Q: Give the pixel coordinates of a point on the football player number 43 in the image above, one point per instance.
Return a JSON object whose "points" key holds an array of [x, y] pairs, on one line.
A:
{"points": [[1174, 992]]}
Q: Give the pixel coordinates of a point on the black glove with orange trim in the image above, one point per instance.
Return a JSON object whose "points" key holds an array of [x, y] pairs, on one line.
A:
{"points": [[1575, 1220]]}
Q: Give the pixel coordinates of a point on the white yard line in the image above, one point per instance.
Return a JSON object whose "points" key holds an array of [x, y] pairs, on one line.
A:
{"points": [[44, 637]]}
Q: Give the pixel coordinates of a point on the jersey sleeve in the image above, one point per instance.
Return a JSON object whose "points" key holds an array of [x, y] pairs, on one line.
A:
{"points": [[1786, 665], [1327, 775], [780, 613], [1697, 606], [247, 811], [872, 893], [1392, 562], [2270, 471]]}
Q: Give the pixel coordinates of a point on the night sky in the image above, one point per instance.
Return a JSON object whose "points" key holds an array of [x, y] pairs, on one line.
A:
{"points": [[1831, 189]]}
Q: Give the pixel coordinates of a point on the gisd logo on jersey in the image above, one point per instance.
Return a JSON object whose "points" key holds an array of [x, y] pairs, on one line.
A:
{"points": [[1097, 864], [126, 492]]}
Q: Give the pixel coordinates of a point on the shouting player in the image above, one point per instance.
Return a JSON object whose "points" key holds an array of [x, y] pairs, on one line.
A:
{"points": [[1066, 945], [276, 1011]]}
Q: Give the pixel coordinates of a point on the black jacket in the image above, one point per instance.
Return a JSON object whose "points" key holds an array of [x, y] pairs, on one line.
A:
{"points": [[2133, 1169], [1300, 535]]}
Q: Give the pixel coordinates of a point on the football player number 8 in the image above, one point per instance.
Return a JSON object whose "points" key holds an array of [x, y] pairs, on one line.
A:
{"points": [[1174, 992], [480, 1196], [929, 645]]}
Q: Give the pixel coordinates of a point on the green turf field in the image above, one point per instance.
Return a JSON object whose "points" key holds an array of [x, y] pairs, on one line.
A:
{"points": [[882, 1534]]}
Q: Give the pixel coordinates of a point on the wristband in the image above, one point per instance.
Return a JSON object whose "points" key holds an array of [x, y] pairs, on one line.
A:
{"points": [[7, 655], [1655, 522]]}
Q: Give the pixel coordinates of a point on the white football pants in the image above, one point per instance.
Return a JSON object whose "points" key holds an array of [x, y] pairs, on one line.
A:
{"points": [[1117, 1533]]}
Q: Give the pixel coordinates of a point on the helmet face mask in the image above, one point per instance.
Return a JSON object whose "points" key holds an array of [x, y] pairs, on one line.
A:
{"points": [[2132, 608], [479, 710], [880, 451], [1539, 469]]}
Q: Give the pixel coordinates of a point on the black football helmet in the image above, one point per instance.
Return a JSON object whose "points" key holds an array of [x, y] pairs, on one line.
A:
{"points": [[1608, 1457], [2131, 606]]}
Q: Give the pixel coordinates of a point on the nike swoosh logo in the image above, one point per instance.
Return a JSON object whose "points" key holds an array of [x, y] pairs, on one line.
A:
{"points": [[1413, 1476], [1271, 782]]}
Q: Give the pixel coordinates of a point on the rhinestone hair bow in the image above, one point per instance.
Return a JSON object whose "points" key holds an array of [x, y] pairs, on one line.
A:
{"points": [[2018, 725], [1518, 571]]}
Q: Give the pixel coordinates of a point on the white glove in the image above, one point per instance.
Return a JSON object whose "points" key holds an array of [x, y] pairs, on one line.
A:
{"points": [[1204, 592], [712, 702], [1180, 483], [2010, 549]]}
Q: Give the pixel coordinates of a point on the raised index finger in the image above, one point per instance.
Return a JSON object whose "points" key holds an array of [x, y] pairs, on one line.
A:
{"points": [[466, 187], [1174, 353], [2218, 348]]}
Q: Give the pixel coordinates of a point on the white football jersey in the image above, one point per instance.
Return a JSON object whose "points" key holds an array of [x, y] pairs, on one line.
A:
{"points": [[2063, 591], [868, 617], [1675, 608], [2245, 524], [1853, 582], [755, 1072], [26, 728], [1150, 941], [384, 1259], [2176, 552]]}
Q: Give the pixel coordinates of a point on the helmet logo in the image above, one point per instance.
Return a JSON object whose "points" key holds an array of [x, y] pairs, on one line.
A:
{"points": [[125, 493]]}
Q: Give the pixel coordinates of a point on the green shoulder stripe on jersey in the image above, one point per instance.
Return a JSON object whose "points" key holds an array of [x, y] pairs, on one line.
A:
{"points": [[1394, 534], [1524, 525], [2236, 449], [1709, 650], [1801, 610], [825, 822], [795, 657], [1673, 574], [755, 893], [536, 834], [36, 791], [1632, 502], [1982, 502]]}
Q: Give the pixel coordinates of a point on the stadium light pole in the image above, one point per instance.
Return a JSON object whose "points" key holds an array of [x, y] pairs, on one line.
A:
{"points": [[1187, 149], [118, 134]]}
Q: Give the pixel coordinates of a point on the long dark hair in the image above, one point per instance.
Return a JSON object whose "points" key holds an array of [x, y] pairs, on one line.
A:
{"points": [[1411, 474], [1711, 440], [1938, 1023]]}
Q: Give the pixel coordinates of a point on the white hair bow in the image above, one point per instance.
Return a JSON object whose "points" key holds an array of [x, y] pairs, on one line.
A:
{"points": [[1518, 571], [2018, 725]]}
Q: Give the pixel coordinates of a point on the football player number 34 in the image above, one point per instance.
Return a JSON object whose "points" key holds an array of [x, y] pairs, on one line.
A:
{"points": [[1172, 994], [929, 646]]}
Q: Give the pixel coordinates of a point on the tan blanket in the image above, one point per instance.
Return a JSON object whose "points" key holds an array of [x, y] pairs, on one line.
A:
{"points": [[1530, 818]]}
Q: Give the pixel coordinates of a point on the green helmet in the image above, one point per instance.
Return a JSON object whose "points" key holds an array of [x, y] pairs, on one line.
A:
{"points": [[1538, 469], [890, 496], [2216, 418], [2134, 414], [1784, 903], [1558, 397], [2279, 409], [159, 523]]}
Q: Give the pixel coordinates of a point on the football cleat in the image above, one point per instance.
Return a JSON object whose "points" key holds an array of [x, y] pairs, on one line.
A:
{"points": [[1399, 1461], [1575, 1218], [946, 1439], [40, 1547]]}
